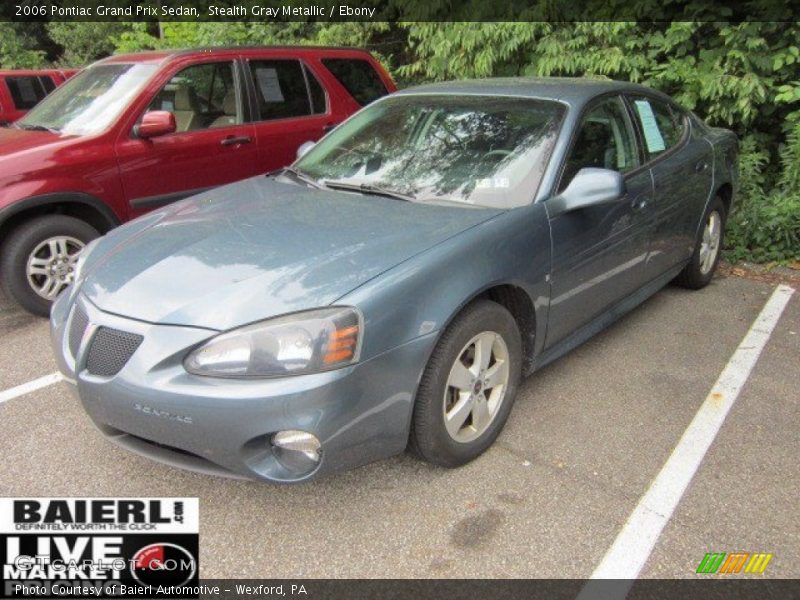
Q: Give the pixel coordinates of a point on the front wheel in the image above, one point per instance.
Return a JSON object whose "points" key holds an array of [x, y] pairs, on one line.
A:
{"points": [[469, 385], [705, 258], [38, 260]]}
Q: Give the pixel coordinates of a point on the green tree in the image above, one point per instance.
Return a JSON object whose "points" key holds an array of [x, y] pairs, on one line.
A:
{"points": [[17, 50], [85, 42]]}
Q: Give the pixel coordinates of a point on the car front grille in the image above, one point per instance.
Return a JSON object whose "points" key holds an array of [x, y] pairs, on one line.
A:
{"points": [[110, 350], [76, 329]]}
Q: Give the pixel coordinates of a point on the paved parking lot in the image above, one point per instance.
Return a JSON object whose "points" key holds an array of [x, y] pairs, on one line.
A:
{"points": [[586, 438]]}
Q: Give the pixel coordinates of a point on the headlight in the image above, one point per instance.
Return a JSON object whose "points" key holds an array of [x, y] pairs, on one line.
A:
{"points": [[300, 343]]}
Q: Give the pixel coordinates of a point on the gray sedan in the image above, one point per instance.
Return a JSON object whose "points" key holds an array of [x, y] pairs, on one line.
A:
{"points": [[390, 289]]}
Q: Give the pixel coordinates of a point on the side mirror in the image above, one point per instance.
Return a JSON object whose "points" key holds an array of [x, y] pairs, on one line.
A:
{"points": [[155, 123], [304, 148], [589, 187]]}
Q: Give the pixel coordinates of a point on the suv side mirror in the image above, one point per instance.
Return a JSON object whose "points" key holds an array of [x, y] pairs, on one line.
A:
{"points": [[304, 148], [589, 187], [155, 123]]}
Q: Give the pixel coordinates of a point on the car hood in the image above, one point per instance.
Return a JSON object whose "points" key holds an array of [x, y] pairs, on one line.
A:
{"points": [[18, 143], [259, 248]]}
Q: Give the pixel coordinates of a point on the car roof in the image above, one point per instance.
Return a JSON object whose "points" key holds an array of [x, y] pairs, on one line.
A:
{"points": [[159, 56], [29, 72], [574, 91]]}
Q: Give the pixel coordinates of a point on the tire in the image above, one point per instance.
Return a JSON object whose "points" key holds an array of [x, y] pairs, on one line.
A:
{"points": [[700, 270], [30, 241], [430, 438]]}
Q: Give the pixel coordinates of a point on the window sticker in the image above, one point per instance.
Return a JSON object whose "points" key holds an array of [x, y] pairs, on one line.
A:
{"points": [[269, 85], [652, 135]]}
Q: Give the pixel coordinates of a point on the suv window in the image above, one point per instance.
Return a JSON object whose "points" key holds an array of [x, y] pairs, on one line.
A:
{"points": [[28, 91], [662, 126], [605, 141], [358, 77], [201, 97], [319, 101], [281, 90]]}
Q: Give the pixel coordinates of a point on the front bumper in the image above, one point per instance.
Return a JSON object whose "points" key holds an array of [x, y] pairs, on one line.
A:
{"points": [[153, 407]]}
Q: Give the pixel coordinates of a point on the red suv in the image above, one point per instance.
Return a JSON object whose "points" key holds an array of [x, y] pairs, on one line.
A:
{"points": [[134, 132], [21, 90]]}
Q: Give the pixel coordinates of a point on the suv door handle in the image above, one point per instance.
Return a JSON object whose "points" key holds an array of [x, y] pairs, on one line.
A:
{"points": [[235, 141], [701, 166], [639, 203], [328, 127]]}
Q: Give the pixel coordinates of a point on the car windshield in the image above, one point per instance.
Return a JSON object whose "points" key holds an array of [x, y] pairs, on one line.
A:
{"points": [[476, 150], [90, 101]]}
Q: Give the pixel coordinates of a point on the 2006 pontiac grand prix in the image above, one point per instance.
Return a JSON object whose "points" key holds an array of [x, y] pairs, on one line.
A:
{"points": [[390, 289]]}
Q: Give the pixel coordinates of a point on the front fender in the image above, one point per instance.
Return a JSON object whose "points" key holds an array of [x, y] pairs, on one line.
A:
{"points": [[422, 295]]}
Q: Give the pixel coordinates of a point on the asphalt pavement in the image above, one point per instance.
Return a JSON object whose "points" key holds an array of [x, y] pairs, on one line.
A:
{"points": [[587, 436]]}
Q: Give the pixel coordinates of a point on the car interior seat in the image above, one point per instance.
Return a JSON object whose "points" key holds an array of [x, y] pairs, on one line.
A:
{"points": [[229, 116], [595, 147], [187, 109]]}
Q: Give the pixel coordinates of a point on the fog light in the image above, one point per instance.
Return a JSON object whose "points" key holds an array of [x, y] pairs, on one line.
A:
{"points": [[298, 441]]}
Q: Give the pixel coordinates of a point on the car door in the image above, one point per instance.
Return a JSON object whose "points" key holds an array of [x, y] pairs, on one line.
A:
{"points": [[212, 145], [290, 107], [599, 251], [681, 163]]}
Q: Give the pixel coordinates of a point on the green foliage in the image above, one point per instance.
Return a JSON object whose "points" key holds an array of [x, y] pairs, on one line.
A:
{"points": [[85, 42], [766, 225], [17, 50]]}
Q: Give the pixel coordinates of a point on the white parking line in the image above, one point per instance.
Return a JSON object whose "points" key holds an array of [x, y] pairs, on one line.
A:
{"points": [[31, 386], [630, 551]]}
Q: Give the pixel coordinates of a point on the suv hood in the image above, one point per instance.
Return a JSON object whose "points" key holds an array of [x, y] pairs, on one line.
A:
{"points": [[259, 248], [18, 143]]}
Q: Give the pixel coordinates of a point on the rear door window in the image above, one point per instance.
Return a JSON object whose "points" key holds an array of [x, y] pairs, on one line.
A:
{"points": [[26, 91], [48, 83], [358, 77], [281, 89], [661, 125]]}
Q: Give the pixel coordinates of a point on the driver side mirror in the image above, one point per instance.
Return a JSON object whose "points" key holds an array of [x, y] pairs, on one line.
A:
{"points": [[304, 148], [589, 187], [155, 123]]}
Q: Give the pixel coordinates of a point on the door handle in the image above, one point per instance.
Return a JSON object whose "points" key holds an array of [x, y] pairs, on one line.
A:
{"points": [[236, 140], [639, 203], [328, 127], [701, 166]]}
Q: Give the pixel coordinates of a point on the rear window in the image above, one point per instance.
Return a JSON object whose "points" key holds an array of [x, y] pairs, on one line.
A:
{"points": [[358, 77], [280, 89], [662, 126], [28, 91]]}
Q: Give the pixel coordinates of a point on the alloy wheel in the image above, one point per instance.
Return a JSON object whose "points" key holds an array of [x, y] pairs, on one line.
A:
{"points": [[709, 246], [51, 265], [476, 386]]}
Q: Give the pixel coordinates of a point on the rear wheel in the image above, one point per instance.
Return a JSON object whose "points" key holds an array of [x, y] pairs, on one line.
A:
{"points": [[698, 273], [468, 388], [38, 260]]}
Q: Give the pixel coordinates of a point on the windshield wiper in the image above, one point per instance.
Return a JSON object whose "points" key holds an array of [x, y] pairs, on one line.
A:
{"points": [[32, 127], [366, 188], [301, 176]]}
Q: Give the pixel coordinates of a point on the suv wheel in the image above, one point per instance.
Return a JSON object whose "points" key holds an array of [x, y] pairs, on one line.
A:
{"points": [[38, 260]]}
